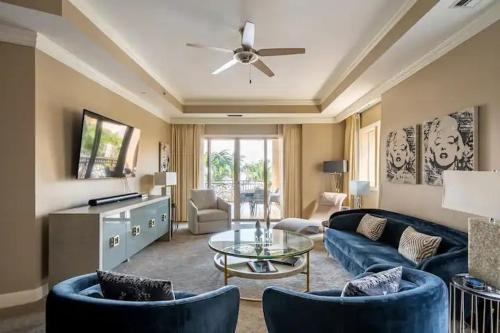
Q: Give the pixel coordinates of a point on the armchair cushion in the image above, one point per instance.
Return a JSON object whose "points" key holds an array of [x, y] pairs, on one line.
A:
{"points": [[204, 199], [207, 215]]}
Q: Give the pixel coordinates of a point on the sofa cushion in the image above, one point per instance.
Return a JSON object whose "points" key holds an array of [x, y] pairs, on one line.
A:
{"points": [[208, 215], [371, 226], [375, 284], [133, 288], [204, 199], [363, 251], [302, 226], [417, 246]]}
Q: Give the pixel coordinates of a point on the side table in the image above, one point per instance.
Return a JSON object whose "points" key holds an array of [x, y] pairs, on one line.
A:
{"points": [[477, 310]]}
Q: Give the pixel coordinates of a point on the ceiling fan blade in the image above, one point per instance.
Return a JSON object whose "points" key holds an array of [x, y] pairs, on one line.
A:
{"points": [[248, 35], [220, 49], [281, 51], [227, 65], [263, 68]]}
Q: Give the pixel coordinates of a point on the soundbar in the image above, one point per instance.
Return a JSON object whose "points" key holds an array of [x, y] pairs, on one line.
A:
{"points": [[114, 198]]}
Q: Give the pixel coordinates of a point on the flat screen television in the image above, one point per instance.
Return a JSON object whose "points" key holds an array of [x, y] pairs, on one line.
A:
{"points": [[108, 148]]}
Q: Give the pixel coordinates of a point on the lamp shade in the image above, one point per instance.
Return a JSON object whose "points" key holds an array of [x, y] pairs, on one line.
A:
{"points": [[359, 187], [335, 166], [165, 178], [473, 192]]}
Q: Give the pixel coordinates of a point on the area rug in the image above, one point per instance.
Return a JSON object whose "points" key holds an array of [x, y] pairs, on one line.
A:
{"points": [[188, 262]]}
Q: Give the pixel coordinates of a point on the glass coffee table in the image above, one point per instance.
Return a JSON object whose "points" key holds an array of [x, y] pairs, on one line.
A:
{"points": [[235, 248]]}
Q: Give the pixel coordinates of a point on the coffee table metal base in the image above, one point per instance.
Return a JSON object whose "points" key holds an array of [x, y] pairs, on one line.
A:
{"points": [[238, 267]]}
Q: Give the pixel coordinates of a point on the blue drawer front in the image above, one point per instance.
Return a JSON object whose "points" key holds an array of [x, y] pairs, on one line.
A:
{"points": [[114, 240], [163, 216]]}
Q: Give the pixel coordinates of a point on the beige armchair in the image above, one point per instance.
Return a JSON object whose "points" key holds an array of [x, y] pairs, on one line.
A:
{"points": [[207, 213]]}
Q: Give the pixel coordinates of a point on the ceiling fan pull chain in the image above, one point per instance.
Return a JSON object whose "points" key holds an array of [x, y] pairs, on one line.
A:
{"points": [[249, 74]]}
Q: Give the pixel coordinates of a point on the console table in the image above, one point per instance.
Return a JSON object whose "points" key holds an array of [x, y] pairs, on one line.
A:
{"points": [[84, 239]]}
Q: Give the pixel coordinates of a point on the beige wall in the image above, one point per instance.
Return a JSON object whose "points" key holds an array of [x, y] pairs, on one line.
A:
{"points": [[42, 102], [61, 94], [320, 142], [241, 129], [17, 168], [468, 75]]}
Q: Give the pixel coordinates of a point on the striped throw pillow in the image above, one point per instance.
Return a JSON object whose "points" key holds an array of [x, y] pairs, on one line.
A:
{"points": [[416, 246], [371, 226]]}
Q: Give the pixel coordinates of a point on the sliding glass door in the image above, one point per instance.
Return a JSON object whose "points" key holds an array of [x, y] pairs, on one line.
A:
{"points": [[247, 173]]}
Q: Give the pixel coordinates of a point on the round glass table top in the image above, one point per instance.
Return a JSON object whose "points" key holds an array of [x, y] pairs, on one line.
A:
{"points": [[260, 243]]}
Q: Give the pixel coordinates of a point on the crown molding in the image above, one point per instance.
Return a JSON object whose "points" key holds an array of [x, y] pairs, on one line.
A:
{"points": [[487, 18], [255, 119], [23, 297], [252, 102], [18, 36], [378, 37], [53, 50]]}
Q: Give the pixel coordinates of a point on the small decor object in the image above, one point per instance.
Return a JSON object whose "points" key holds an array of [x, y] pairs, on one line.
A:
{"points": [[371, 226], [132, 288], [474, 283], [416, 246], [477, 192], [402, 155], [262, 266], [381, 283], [450, 143], [164, 157]]}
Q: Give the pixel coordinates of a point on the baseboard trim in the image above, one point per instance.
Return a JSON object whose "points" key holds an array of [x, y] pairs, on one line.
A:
{"points": [[23, 297]]}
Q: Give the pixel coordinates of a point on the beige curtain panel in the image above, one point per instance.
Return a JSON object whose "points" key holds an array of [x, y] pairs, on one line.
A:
{"points": [[292, 170], [351, 152], [187, 148]]}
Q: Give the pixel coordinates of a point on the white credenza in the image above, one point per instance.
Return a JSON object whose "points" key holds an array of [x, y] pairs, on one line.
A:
{"points": [[84, 239]]}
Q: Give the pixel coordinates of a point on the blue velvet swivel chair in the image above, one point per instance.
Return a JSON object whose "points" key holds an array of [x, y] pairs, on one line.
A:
{"points": [[76, 305], [421, 306]]}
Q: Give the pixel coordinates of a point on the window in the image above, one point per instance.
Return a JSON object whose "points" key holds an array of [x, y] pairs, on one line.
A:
{"points": [[369, 150]]}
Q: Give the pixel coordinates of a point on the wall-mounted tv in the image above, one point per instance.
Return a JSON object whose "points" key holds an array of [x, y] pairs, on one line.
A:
{"points": [[108, 148]]}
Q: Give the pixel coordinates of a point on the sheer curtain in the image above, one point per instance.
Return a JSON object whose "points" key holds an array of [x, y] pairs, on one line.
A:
{"points": [[187, 152], [351, 151], [291, 136]]}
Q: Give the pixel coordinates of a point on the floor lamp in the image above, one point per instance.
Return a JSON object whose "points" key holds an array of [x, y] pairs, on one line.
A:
{"points": [[165, 179], [335, 169]]}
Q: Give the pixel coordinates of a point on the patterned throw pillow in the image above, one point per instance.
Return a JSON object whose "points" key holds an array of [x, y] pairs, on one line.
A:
{"points": [[381, 283], [371, 226], [132, 288], [416, 246]]}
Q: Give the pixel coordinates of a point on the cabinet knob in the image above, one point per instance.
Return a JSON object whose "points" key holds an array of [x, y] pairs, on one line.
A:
{"points": [[152, 223], [114, 241], [136, 230]]}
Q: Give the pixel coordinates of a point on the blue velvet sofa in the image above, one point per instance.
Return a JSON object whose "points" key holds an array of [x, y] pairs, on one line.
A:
{"points": [[421, 306], [76, 305], [357, 253]]}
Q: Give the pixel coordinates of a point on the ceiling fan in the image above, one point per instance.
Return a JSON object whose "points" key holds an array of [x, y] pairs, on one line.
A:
{"points": [[246, 54]]}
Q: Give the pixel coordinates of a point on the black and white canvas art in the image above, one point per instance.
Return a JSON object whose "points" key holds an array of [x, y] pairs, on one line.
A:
{"points": [[402, 155], [450, 143]]}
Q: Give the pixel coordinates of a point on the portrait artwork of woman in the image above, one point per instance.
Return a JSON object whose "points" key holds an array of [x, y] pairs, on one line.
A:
{"points": [[401, 155], [449, 145]]}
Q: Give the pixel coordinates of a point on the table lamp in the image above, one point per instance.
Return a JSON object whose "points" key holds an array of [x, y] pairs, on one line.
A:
{"points": [[478, 192], [335, 169], [165, 179], [357, 188]]}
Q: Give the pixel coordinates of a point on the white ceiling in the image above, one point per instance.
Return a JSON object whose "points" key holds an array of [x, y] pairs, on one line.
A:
{"points": [[333, 32]]}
